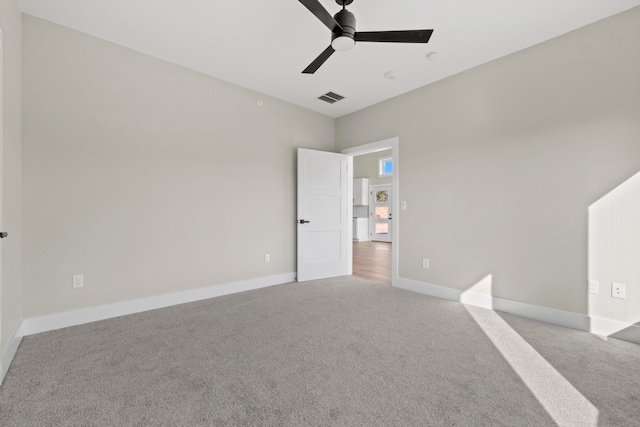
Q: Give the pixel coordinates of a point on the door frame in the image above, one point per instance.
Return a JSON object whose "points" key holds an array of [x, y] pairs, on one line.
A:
{"points": [[373, 147]]}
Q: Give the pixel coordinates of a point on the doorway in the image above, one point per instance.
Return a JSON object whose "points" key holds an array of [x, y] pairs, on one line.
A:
{"points": [[376, 257]]}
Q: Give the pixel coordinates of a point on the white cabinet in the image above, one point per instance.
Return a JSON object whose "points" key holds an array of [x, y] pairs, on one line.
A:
{"points": [[360, 229], [361, 192]]}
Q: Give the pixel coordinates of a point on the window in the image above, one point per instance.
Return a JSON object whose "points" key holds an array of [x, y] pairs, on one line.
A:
{"points": [[382, 212], [385, 167]]}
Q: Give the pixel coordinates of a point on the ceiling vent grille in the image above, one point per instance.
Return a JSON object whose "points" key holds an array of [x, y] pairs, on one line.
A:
{"points": [[331, 97]]}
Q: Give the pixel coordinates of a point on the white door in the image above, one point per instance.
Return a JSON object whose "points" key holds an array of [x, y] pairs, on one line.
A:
{"points": [[1, 160], [380, 221], [322, 214]]}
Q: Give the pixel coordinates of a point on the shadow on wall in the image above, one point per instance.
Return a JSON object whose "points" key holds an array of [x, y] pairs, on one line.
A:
{"points": [[614, 262]]}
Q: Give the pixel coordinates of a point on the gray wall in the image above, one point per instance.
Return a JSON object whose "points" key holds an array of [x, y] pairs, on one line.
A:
{"points": [[148, 178], [500, 164], [11, 167], [366, 166]]}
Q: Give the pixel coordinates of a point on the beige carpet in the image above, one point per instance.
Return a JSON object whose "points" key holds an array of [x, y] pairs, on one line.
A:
{"points": [[343, 352]]}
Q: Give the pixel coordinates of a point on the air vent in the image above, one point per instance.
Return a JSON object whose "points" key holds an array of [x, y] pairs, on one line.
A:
{"points": [[331, 97]]}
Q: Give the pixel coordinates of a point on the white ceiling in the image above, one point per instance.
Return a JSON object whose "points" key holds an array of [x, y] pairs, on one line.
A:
{"points": [[264, 45]]}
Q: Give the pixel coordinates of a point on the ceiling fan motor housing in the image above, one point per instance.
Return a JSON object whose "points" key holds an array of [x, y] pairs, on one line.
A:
{"points": [[344, 35], [347, 21]]}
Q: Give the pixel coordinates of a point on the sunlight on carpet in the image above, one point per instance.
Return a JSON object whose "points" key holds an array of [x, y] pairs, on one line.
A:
{"points": [[566, 405]]}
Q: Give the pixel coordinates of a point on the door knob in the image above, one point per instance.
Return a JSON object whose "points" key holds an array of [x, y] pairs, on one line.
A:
{"points": [[302, 221], [3, 234]]}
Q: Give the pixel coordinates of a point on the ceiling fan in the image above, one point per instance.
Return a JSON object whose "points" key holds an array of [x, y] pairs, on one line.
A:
{"points": [[344, 35]]}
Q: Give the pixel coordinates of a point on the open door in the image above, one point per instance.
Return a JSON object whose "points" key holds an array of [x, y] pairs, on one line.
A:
{"points": [[322, 214]]}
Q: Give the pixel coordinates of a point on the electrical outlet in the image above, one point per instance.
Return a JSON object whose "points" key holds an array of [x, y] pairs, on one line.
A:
{"points": [[267, 258], [618, 290], [78, 281], [425, 262], [594, 287]]}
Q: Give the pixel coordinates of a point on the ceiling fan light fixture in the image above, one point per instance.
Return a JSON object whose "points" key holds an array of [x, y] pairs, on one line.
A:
{"points": [[343, 43]]}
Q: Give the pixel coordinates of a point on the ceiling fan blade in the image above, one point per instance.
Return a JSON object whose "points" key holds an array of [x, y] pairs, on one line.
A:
{"points": [[313, 67], [321, 13], [407, 36]]}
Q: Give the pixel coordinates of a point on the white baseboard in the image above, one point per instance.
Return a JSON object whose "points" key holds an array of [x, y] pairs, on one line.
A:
{"points": [[543, 314], [30, 326], [51, 322], [477, 299], [6, 356], [615, 329], [427, 289], [567, 319]]}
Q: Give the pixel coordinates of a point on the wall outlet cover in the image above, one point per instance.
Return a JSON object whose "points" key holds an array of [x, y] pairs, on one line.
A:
{"points": [[78, 281], [618, 290]]}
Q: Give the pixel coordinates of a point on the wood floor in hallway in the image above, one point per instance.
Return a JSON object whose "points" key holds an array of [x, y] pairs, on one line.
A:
{"points": [[372, 261]]}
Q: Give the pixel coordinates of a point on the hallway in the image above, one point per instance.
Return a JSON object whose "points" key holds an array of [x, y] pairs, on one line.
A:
{"points": [[372, 261]]}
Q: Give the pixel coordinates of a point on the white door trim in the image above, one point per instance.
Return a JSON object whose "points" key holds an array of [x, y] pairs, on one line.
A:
{"points": [[385, 144]]}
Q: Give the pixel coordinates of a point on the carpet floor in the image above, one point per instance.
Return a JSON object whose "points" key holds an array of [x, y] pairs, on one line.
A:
{"points": [[343, 352]]}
